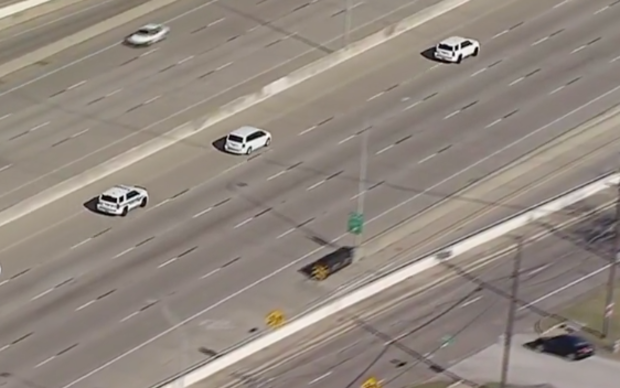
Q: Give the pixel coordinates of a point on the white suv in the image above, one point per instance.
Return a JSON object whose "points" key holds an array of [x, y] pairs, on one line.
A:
{"points": [[245, 140], [120, 200], [456, 48]]}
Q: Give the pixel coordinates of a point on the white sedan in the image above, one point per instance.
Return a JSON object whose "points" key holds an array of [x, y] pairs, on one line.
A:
{"points": [[147, 35]]}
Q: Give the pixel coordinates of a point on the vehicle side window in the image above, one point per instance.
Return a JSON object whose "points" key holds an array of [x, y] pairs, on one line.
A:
{"points": [[132, 195], [254, 136], [466, 44]]}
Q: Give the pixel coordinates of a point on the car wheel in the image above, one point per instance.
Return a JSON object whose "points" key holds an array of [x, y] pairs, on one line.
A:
{"points": [[571, 356], [539, 348], [144, 202], [268, 142], [459, 59], [125, 211], [249, 151], [476, 52]]}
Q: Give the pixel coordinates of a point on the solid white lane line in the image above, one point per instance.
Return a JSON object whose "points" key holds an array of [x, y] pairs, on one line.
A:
{"points": [[605, 8], [39, 126], [470, 302], [384, 149], [41, 295], [346, 139], [321, 377], [516, 81], [554, 91], [413, 105], [151, 51], [80, 133], [244, 222], [426, 159], [168, 262], [114, 92], [129, 316], [81, 243], [578, 49], [44, 362], [314, 186], [274, 176], [82, 307], [494, 123], [215, 22], [123, 252], [456, 112], [375, 96], [539, 41], [77, 85], [182, 61], [207, 210], [286, 233], [150, 100], [312, 128], [209, 274]]}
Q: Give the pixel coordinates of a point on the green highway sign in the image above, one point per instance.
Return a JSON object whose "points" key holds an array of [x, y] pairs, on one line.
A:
{"points": [[447, 340], [355, 225]]}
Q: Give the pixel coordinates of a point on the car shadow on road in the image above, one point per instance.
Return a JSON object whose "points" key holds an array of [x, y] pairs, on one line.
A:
{"points": [[91, 206], [429, 54], [219, 144]]}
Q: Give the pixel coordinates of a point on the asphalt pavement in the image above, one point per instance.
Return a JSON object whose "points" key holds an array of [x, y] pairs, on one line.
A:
{"points": [[75, 109], [91, 300], [413, 333]]}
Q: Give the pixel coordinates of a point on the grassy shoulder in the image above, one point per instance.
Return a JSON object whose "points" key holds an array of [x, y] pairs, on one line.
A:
{"points": [[587, 312]]}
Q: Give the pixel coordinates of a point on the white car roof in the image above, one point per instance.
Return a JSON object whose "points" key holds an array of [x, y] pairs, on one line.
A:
{"points": [[453, 40], [151, 26], [245, 131], [120, 190]]}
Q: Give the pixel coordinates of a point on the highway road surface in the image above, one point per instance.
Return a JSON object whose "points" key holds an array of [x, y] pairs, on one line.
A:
{"points": [[76, 109], [92, 301], [399, 335]]}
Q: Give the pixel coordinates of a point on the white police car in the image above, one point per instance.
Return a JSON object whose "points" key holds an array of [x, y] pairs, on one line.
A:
{"points": [[121, 199]]}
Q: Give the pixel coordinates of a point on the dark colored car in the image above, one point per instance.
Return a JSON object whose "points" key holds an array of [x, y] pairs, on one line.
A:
{"points": [[570, 346]]}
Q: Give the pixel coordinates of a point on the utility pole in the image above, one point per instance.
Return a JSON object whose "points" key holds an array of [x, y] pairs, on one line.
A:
{"points": [[611, 283], [512, 312]]}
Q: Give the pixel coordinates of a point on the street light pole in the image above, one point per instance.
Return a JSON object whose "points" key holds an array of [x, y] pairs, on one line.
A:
{"points": [[361, 190], [611, 282], [512, 312], [347, 21]]}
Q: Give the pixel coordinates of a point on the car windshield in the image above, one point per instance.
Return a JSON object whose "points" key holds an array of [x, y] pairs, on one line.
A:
{"points": [[235, 138], [445, 47], [147, 31], [109, 198]]}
